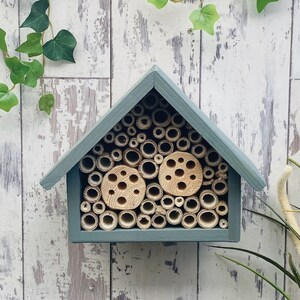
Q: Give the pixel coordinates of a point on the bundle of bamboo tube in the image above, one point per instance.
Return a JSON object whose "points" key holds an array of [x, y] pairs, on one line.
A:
{"points": [[153, 170]]}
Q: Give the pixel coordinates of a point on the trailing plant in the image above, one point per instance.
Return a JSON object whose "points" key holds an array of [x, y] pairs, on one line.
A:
{"points": [[27, 72], [205, 17]]}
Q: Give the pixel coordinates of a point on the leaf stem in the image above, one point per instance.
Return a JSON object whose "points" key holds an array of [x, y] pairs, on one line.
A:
{"points": [[294, 162], [12, 87], [201, 3], [50, 24]]}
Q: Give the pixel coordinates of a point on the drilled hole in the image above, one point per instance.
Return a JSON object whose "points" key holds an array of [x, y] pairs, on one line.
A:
{"points": [[133, 178], [190, 164], [179, 172], [181, 185], [168, 177], [123, 173], [171, 163], [111, 192], [192, 177], [122, 185], [121, 200], [136, 192], [112, 177], [180, 160]]}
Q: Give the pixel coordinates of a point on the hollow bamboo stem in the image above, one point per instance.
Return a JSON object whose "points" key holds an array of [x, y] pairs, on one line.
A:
{"points": [[121, 139], [221, 208], [174, 216], [118, 127], [108, 220], [208, 199], [158, 158], [143, 221], [163, 103], [194, 137], [160, 210], [213, 158], [95, 178], [92, 194], [141, 137], [109, 137], [223, 223], [223, 167], [183, 144], [154, 191], [148, 207], [98, 149], [144, 122], [87, 164], [127, 219], [191, 204], [173, 134], [159, 132], [179, 201], [133, 143], [219, 187], [85, 206], [167, 202], [99, 207], [131, 131], [207, 218], [159, 221], [165, 147], [207, 182], [150, 101], [148, 169], [132, 157], [189, 220], [177, 120], [138, 110], [128, 120], [199, 150], [116, 154], [105, 162], [161, 117], [221, 175], [148, 148], [208, 172], [89, 221]]}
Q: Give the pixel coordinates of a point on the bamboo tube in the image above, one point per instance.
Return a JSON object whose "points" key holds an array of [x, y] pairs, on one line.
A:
{"points": [[144, 122], [213, 158], [128, 120], [105, 162], [108, 220], [208, 199], [208, 172], [89, 221], [194, 137], [92, 194], [173, 134], [116, 154], [223, 223], [85, 206], [131, 131], [163, 103], [109, 137], [127, 219], [141, 137], [148, 207], [143, 221], [221, 175], [199, 150], [188, 126], [132, 157], [223, 167], [154, 191], [138, 110], [150, 101], [189, 220], [160, 210], [207, 218], [219, 187], [158, 221], [133, 143], [183, 144], [99, 207], [148, 149], [207, 182], [98, 149], [161, 117], [87, 164], [159, 132], [165, 147], [191, 204], [221, 208], [174, 216], [95, 178], [118, 127], [121, 139], [177, 120], [148, 169], [167, 202], [179, 201], [158, 158]]}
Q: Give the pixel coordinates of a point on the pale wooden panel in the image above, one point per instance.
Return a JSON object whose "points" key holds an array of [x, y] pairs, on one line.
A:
{"points": [[245, 87], [296, 41], [10, 174], [143, 36], [53, 268], [89, 22]]}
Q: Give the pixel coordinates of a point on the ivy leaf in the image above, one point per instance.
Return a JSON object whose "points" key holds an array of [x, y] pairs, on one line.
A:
{"points": [[36, 71], [205, 18], [7, 99], [46, 103], [61, 47], [18, 70], [261, 4], [38, 19], [158, 3], [32, 46], [3, 46]]}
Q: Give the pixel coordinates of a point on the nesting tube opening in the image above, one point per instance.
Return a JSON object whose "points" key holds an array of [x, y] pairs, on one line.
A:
{"points": [[194, 137], [174, 216], [148, 169], [207, 218], [89, 221], [141, 137], [109, 138], [144, 122], [189, 220], [159, 221], [105, 162], [116, 154], [128, 120], [127, 218], [183, 144], [121, 139], [92, 194], [208, 199], [148, 149], [173, 134], [199, 150], [159, 132], [108, 220], [220, 187], [132, 157], [222, 208], [150, 101], [98, 149], [191, 204], [85, 206], [165, 147], [95, 178], [213, 158], [87, 164], [143, 221], [118, 127], [154, 191], [161, 117], [148, 207], [177, 120], [138, 110]]}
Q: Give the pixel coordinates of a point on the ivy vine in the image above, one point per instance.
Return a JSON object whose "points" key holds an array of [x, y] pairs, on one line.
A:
{"points": [[59, 48]]}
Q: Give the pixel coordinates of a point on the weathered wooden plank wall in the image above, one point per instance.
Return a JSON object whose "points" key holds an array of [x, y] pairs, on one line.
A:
{"points": [[246, 79]]}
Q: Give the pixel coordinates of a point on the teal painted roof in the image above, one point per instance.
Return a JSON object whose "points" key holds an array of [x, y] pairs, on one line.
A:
{"points": [[156, 79]]}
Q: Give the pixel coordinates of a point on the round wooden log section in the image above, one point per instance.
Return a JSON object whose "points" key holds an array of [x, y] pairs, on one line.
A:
{"points": [[138, 110], [141, 137], [194, 137], [207, 182], [95, 178], [180, 174], [173, 134], [213, 158], [99, 207], [89, 221], [177, 120], [207, 218], [179, 201], [148, 168], [132, 157], [158, 158], [208, 199], [131, 131], [167, 202], [183, 144], [98, 149], [116, 154], [154, 191], [133, 143], [222, 208], [148, 207], [161, 117], [165, 147], [160, 210], [144, 122], [208, 173], [189, 220], [87, 164], [143, 221], [148, 148], [159, 221], [118, 127], [199, 150], [85, 206], [150, 101], [221, 175], [109, 138], [108, 220], [191, 204], [223, 223], [121, 139], [92, 194], [219, 187], [123, 188], [128, 120], [159, 132], [174, 216], [105, 162], [127, 219], [223, 167], [163, 103]]}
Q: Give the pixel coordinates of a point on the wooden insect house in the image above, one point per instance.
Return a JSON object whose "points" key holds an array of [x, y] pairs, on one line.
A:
{"points": [[154, 168]]}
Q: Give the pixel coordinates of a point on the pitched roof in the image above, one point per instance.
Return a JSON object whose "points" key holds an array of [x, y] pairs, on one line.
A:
{"points": [[156, 79]]}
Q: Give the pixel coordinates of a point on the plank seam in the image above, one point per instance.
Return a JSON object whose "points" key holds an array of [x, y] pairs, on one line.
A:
{"points": [[83, 78]]}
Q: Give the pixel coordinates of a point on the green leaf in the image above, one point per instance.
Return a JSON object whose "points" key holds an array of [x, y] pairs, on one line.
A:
{"points": [[7, 99], [261, 4], [61, 47], [3, 45], [294, 269], [46, 103], [38, 19], [205, 18], [35, 72], [158, 3], [17, 69], [32, 46]]}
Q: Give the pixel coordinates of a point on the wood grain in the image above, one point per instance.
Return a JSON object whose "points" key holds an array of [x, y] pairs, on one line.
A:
{"points": [[295, 60]]}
